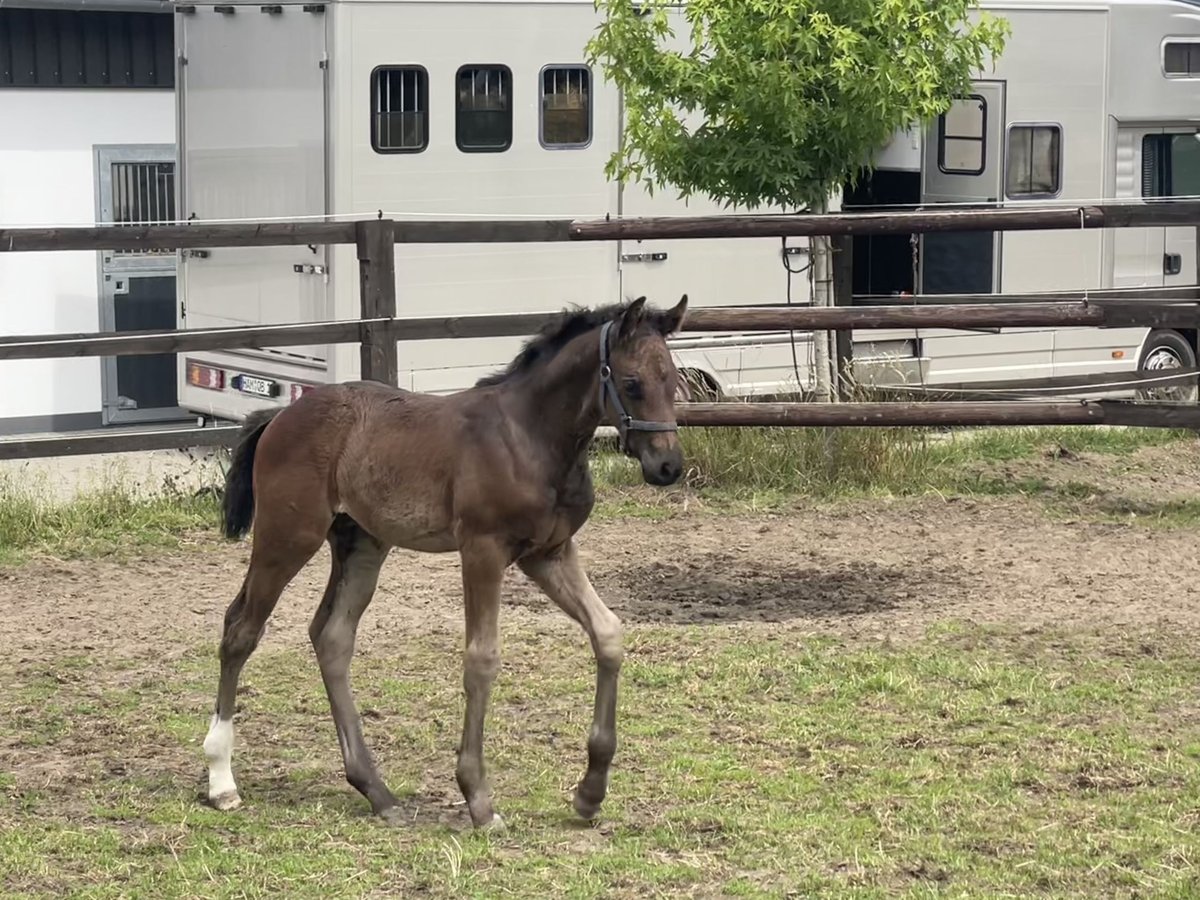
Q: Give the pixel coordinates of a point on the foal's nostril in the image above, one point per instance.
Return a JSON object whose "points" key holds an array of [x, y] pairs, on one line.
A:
{"points": [[669, 471]]}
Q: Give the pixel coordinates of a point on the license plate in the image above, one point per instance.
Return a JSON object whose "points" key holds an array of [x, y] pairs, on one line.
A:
{"points": [[259, 387]]}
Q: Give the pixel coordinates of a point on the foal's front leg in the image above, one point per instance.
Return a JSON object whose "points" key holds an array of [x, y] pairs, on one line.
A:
{"points": [[483, 565], [565, 582]]}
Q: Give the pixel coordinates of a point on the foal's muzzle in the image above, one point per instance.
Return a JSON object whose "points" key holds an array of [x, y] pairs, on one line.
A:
{"points": [[662, 467]]}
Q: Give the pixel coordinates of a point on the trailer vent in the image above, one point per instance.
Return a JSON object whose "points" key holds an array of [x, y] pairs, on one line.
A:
{"points": [[143, 193], [66, 48], [400, 109], [566, 106], [483, 115], [1181, 59]]}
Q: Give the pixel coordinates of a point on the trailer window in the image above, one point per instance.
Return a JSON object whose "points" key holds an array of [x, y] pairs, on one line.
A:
{"points": [[483, 120], [1181, 59], [962, 130], [1034, 161], [1170, 165], [400, 109], [566, 119]]}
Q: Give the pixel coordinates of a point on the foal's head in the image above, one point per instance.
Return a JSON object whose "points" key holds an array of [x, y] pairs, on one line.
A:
{"points": [[639, 399]]}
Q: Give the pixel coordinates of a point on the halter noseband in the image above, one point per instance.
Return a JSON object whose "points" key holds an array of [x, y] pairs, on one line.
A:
{"points": [[608, 391]]}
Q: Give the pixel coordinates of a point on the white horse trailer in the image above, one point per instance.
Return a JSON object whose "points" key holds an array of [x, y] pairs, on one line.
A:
{"points": [[1089, 101], [452, 109]]}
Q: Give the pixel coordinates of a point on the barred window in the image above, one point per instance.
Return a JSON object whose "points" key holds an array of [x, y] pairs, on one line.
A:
{"points": [[484, 113], [143, 193], [399, 109], [566, 119]]}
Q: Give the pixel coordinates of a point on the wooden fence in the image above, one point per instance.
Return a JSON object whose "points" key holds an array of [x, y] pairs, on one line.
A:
{"points": [[378, 331]]}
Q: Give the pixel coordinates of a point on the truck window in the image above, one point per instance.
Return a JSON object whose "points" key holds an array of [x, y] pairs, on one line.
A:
{"points": [[1181, 59], [961, 135], [483, 114], [566, 110], [399, 109], [1034, 161], [1171, 165]]}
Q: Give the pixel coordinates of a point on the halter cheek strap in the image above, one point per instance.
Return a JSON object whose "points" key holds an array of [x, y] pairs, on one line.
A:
{"points": [[609, 393]]}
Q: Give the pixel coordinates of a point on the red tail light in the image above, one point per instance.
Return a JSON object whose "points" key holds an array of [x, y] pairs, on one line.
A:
{"points": [[205, 376]]}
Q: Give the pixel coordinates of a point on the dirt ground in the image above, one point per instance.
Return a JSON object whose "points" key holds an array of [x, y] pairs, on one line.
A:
{"points": [[866, 570]]}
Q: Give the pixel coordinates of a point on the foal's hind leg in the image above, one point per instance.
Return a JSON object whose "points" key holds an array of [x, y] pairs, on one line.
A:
{"points": [[274, 562], [357, 559], [564, 581]]}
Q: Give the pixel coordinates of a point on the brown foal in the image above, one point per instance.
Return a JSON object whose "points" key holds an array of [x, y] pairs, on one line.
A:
{"points": [[498, 473]]}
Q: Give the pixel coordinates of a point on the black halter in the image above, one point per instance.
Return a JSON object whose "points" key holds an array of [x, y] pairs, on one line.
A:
{"points": [[608, 391]]}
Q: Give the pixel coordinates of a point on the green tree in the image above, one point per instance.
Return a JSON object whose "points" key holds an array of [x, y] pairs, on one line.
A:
{"points": [[781, 103]]}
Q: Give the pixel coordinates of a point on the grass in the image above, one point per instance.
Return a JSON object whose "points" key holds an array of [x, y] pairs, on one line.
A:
{"points": [[745, 469], [755, 763], [764, 468], [110, 520]]}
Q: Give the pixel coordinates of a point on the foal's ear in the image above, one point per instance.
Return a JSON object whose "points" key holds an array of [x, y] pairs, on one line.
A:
{"points": [[671, 321], [632, 318]]}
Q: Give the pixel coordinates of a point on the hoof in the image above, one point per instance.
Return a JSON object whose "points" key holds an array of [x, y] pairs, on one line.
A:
{"points": [[392, 816], [226, 802], [586, 809], [496, 824]]}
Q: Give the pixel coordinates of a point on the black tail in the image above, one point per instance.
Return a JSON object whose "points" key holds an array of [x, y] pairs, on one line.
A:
{"points": [[239, 480]]}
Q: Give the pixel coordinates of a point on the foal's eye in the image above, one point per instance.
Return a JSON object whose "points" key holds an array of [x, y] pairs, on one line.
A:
{"points": [[633, 388]]}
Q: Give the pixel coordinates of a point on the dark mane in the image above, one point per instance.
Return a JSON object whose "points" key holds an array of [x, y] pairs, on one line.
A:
{"points": [[555, 335]]}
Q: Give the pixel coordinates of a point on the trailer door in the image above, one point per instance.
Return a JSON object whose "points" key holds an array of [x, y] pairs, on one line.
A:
{"points": [[1172, 169], [963, 164], [252, 146]]}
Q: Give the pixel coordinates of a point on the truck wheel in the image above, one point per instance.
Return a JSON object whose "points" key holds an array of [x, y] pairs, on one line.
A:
{"points": [[1166, 350], [696, 387]]}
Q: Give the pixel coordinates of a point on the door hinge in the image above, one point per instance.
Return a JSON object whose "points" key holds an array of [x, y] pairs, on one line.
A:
{"points": [[300, 269], [1172, 263], [643, 257]]}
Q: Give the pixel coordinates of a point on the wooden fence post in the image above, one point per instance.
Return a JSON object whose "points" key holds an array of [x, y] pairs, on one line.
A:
{"points": [[843, 295], [376, 244]]}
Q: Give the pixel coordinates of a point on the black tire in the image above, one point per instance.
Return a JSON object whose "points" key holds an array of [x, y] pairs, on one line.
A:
{"points": [[698, 385], [1168, 350]]}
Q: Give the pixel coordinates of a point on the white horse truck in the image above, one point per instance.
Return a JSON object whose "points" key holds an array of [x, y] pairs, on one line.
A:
{"points": [[448, 109]]}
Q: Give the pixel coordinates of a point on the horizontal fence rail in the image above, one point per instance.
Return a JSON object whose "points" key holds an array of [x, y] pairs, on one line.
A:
{"points": [[719, 415], [939, 414], [1098, 314], [268, 234], [378, 329], [118, 442], [1115, 215], [1176, 292]]}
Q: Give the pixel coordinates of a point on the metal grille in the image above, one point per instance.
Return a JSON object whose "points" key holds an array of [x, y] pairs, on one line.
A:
{"points": [[484, 112], [401, 110], [63, 48], [566, 106], [143, 193]]}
